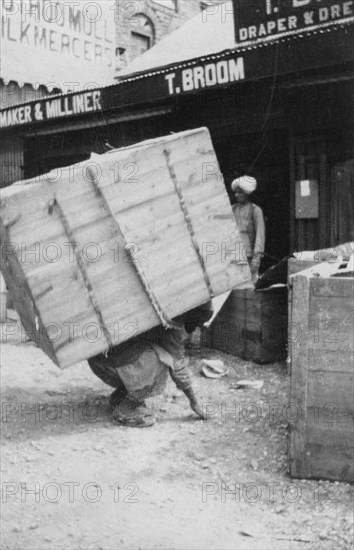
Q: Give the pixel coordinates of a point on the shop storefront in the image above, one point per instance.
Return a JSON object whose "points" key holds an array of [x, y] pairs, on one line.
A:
{"points": [[278, 106]]}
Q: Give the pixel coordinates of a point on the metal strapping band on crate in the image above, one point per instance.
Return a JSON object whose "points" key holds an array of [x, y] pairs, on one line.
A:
{"points": [[80, 263], [166, 322], [188, 222]]}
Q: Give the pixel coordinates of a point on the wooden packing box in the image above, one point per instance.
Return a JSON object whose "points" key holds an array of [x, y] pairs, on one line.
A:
{"points": [[104, 250], [296, 265], [308, 258], [251, 325], [321, 366]]}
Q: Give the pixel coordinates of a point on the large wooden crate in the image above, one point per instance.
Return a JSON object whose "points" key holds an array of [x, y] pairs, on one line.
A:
{"points": [[321, 366], [251, 325], [107, 249]]}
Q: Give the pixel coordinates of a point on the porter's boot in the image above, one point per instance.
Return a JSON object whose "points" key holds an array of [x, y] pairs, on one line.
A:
{"points": [[133, 412]]}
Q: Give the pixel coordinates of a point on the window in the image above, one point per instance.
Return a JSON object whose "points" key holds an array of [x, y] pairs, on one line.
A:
{"points": [[170, 4], [142, 35], [140, 43]]}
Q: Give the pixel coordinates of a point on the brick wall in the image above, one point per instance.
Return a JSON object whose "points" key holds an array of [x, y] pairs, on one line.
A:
{"points": [[149, 19]]}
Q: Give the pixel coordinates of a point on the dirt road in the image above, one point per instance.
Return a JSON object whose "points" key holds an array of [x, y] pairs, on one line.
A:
{"points": [[73, 480]]}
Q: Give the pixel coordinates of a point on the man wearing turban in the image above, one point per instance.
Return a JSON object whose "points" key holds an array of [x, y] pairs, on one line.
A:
{"points": [[250, 222]]}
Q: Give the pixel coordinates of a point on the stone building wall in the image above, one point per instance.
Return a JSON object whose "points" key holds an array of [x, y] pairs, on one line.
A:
{"points": [[142, 23]]}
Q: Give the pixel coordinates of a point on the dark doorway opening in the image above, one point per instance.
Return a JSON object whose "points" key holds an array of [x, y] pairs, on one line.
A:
{"points": [[265, 157]]}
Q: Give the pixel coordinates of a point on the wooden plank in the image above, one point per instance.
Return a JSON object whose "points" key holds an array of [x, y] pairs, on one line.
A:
{"points": [[298, 381]]}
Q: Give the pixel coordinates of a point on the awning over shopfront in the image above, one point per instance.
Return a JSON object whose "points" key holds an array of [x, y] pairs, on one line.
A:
{"points": [[211, 36], [168, 70]]}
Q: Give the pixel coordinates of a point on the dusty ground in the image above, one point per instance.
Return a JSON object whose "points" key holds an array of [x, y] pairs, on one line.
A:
{"points": [[99, 486]]}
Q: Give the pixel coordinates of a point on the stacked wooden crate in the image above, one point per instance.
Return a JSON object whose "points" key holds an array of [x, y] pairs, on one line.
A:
{"points": [[308, 258], [252, 325], [321, 328], [295, 265], [119, 244]]}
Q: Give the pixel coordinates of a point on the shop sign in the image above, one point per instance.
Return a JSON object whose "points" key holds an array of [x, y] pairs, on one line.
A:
{"points": [[261, 19], [48, 109], [64, 44], [205, 75]]}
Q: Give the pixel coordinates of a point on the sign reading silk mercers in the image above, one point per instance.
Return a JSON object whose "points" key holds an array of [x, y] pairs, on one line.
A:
{"points": [[259, 19], [66, 44]]}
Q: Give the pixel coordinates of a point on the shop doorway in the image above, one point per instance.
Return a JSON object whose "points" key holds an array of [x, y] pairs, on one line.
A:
{"points": [[265, 157]]}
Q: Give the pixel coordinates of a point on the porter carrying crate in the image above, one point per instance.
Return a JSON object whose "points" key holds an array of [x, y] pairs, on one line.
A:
{"points": [[321, 409], [104, 250]]}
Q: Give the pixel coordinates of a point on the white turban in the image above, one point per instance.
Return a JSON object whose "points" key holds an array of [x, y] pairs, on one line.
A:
{"points": [[246, 183]]}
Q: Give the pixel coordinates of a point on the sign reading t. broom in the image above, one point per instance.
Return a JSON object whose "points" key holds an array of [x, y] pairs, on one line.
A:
{"points": [[260, 19], [69, 44]]}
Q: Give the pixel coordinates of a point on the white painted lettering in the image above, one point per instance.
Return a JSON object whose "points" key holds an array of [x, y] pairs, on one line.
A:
{"points": [[3, 120], [252, 32], [335, 11], [87, 98], [67, 109], [292, 22], [281, 24], [79, 104], [51, 108], [28, 113], [210, 74], [199, 81], [323, 14], [271, 25], [170, 78], [236, 69], [187, 80], [348, 8], [262, 30], [243, 33], [60, 109], [222, 72], [308, 17], [21, 117], [14, 115], [96, 99]]}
